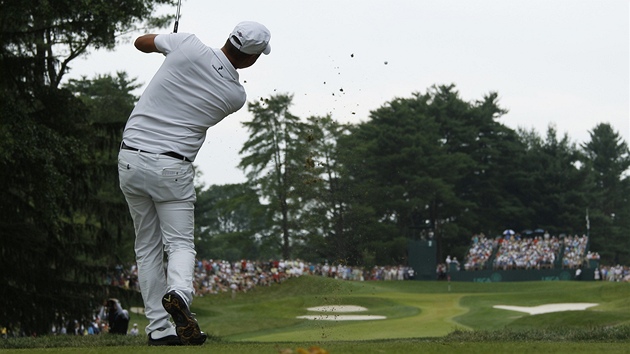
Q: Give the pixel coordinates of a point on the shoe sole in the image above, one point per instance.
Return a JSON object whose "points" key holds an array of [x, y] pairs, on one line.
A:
{"points": [[186, 325], [166, 341]]}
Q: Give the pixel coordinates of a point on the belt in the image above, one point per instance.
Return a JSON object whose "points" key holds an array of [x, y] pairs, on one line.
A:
{"points": [[169, 154]]}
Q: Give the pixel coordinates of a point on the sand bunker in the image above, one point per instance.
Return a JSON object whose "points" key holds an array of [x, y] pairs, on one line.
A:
{"points": [[339, 308], [343, 317], [536, 310], [329, 314]]}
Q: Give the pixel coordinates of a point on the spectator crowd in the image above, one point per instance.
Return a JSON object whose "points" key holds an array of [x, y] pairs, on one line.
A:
{"points": [[512, 251], [217, 276], [220, 276], [506, 252], [613, 273]]}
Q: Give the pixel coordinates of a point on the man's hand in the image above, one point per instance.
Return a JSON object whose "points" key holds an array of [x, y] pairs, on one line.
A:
{"points": [[146, 43]]}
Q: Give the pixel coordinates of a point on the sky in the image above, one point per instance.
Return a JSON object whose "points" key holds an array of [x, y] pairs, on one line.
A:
{"points": [[561, 63]]}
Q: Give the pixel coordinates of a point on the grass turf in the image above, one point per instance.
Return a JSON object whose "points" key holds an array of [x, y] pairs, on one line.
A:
{"points": [[421, 317]]}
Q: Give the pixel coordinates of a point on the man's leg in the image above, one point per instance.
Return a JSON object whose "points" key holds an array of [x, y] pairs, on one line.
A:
{"points": [[177, 229], [173, 193], [134, 172], [150, 260], [174, 196]]}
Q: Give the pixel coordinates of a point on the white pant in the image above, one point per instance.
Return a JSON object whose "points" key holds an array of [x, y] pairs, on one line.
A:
{"points": [[160, 193]]}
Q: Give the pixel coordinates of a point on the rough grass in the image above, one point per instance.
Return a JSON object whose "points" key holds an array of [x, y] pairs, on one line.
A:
{"points": [[505, 341], [427, 317]]}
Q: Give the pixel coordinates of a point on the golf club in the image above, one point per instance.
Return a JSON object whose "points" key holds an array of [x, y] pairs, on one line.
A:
{"points": [[179, 5]]}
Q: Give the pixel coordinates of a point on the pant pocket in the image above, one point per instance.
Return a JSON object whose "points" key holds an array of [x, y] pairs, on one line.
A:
{"points": [[175, 183], [126, 173]]}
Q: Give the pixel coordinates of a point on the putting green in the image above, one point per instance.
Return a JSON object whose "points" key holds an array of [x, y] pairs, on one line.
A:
{"points": [[417, 315]]}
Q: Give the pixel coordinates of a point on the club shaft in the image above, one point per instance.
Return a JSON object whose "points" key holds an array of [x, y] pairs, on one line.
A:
{"points": [[179, 5]]}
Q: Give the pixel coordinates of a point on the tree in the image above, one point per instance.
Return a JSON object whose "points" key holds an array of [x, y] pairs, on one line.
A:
{"points": [[41, 38], [608, 160], [552, 188], [43, 250], [495, 152], [109, 101], [323, 191], [230, 223], [275, 158], [109, 98], [402, 178], [56, 232]]}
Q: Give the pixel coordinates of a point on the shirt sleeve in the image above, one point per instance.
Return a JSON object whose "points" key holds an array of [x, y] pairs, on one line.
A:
{"points": [[167, 43]]}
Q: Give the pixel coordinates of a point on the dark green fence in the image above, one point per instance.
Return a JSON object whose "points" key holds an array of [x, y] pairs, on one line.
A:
{"points": [[422, 258]]}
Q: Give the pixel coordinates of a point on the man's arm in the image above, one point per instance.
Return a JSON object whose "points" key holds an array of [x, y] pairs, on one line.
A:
{"points": [[146, 43]]}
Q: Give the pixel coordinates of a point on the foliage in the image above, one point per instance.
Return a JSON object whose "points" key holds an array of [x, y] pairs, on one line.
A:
{"points": [[60, 226], [419, 164], [608, 160], [63, 218], [109, 101], [40, 38], [275, 161], [325, 196], [230, 223], [431, 165], [38, 225], [552, 186]]}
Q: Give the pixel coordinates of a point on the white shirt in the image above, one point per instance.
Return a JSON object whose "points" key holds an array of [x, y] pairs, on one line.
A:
{"points": [[194, 89]]}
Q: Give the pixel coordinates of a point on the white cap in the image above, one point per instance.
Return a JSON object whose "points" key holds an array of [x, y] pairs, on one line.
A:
{"points": [[253, 37]]}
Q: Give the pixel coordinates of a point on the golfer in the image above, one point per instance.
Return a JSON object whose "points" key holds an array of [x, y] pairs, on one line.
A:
{"points": [[194, 89]]}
